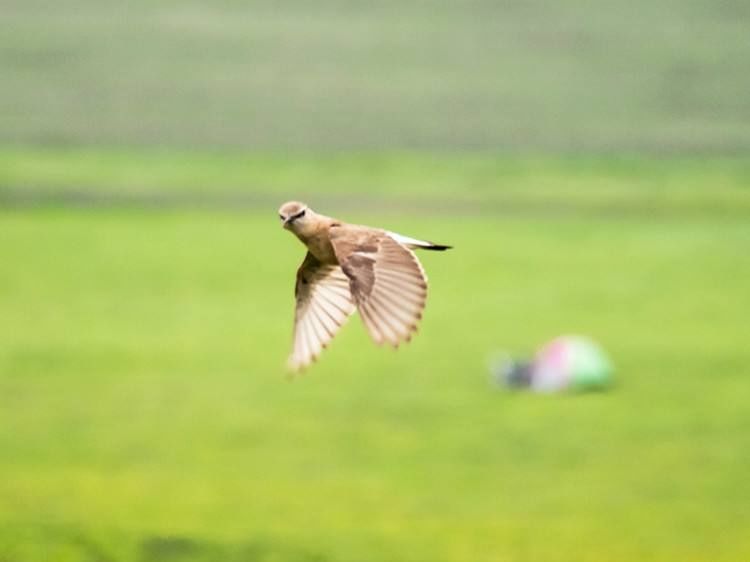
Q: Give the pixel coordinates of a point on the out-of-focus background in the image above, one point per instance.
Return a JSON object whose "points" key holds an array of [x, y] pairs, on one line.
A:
{"points": [[588, 161]]}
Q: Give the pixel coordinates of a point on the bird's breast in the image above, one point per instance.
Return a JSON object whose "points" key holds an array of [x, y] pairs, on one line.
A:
{"points": [[320, 246]]}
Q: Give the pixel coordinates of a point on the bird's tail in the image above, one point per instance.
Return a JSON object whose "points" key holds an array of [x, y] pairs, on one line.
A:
{"points": [[413, 243], [436, 247]]}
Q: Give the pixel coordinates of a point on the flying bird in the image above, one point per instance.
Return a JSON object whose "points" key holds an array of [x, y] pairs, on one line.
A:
{"points": [[350, 267]]}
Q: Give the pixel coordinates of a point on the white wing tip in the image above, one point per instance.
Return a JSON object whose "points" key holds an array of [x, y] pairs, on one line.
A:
{"points": [[295, 365]]}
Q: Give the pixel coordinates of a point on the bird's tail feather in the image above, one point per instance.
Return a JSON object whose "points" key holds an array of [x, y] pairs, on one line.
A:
{"points": [[413, 243]]}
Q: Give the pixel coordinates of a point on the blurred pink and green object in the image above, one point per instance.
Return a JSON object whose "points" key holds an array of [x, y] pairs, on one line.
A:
{"points": [[571, 362]]}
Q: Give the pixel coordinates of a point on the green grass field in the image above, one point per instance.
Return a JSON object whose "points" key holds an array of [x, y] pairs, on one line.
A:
{"points": [[567, 75], [145, 414], [588, 161]]}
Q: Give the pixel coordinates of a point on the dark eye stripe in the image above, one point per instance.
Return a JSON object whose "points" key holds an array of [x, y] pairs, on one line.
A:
{"points": [[300, 214]]}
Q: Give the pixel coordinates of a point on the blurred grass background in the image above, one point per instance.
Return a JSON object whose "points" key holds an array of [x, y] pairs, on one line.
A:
{"points": [[589, 163], [514, 75]]}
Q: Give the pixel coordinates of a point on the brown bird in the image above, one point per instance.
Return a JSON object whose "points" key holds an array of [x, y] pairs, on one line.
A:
{"points": [[350, 267]]}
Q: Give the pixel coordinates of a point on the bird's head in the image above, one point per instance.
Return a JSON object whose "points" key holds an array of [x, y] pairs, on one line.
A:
{"points": [[294, 215]]}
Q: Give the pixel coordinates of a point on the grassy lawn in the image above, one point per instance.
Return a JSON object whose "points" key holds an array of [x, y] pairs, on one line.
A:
{"points": [[145, 414], [569, 75], [146, 287], [475, 183]]}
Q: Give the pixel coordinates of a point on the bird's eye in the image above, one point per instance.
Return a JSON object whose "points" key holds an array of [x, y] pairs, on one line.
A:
{"points": [[302, 214], [281, 217]]}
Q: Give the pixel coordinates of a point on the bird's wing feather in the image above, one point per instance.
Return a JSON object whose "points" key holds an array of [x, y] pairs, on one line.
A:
{"points": [[386, 281], [324, 302]]}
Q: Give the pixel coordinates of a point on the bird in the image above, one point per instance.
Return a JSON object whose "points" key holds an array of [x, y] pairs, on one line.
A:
{"points": [[350, 268]]}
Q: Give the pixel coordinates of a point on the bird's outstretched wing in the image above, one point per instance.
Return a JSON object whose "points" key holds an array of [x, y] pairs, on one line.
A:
{"points": [[324, 303], [387, 281]]}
